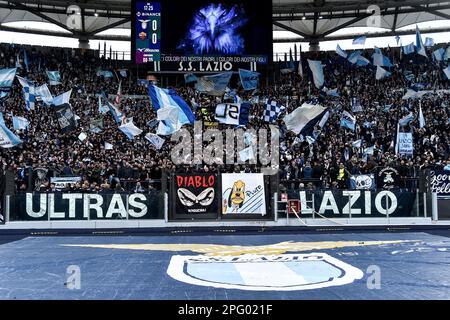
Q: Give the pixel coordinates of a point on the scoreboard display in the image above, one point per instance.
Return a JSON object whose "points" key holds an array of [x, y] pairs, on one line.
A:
{"points": [[148, 31], [202, 35]]}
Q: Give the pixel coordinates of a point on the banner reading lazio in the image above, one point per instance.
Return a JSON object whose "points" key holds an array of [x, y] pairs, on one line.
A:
{"points": [[243, 193]]}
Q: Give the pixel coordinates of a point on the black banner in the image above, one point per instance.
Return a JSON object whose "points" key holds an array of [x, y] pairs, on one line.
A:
{"points": [[440, 182], [358, 203], [388, 178], [85, 206], [65, 117], [196, 194]]}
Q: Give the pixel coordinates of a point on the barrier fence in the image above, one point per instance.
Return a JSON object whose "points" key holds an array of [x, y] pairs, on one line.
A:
{"points": [[213, 196]]}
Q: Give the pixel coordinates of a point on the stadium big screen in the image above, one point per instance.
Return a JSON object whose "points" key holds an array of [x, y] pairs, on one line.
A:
{"points": [[202, 35]]}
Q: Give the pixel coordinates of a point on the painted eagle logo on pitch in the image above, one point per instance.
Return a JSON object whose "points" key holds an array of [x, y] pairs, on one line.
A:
{"points": [[257, 268]]}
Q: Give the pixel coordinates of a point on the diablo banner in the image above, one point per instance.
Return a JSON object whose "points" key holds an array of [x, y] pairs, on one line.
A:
{"points": [[196, 193], [243, 193]]}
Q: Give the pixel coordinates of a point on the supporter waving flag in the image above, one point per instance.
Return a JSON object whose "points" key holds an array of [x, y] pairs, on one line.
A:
{"points": [[6, 81], [162, 98], [7, 138]]}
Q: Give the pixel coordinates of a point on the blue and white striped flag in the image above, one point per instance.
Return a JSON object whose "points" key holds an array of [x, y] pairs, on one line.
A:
{"points": [[341, 52], [360, 40], [7, 138], [54, 77], [20, 123], [6, 81], [317, 71], [164, 98], [29, 94]]}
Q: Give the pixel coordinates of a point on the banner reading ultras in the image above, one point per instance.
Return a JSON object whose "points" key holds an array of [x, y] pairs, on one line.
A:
{"points": [[147, 33]]}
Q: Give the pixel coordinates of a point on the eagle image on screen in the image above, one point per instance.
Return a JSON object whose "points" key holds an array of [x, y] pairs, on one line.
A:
{"points": [[215, 29]]}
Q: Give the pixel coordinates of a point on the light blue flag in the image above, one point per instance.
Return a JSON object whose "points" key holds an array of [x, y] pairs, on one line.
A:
{"points": [[106, 74], [20, 123], [25, 59], [2, 120], [6, 81], [408, 49], [54, 77], [190, 77], [62, 98], [29, 94], [406, 120], [381, 73], [439, 54], [356, 105], [357, 144], [362, 61], [353, 58], [348, 121], [214, 85], [341, 52], [116, 113], [130, 130], [381, 60], [102, 108], [7, 138], [419, 43], [447, 54], [447, 72], [421, 117], [360, 40], [429, 42], [44, 93], [249, 79], [164, 98], [317, 71]]}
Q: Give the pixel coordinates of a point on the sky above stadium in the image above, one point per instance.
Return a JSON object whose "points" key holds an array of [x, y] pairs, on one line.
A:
{"points": [[280, 48]]}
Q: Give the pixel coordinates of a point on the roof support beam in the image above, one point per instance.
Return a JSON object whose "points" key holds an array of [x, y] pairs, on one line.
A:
{"points": [[109, 26], [287, 28], [370, 35], [346, 24], [394, 24], [433, 11]]}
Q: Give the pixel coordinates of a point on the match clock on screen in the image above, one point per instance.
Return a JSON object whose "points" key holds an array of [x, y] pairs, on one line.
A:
{"points": [[148, 31]]}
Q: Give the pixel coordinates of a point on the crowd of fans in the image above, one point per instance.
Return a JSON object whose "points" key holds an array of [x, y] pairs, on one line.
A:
{"points": [[137, 165]]}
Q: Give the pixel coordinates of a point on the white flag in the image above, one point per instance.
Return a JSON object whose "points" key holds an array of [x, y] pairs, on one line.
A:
{"points": [[82, 136], [108, 146], [155, 140], [247, 154]]}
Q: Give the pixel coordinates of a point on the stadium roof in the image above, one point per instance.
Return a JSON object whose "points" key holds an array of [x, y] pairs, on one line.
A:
{"points": [[310, 20]]}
